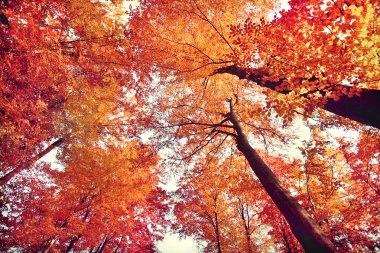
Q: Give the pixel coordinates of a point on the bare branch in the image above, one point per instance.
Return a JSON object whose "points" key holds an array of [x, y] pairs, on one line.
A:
{"points": [[189, 45], [205, 18]]}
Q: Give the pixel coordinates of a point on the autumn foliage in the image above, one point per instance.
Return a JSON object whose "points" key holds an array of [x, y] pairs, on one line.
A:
{"points": [[265, 113]]}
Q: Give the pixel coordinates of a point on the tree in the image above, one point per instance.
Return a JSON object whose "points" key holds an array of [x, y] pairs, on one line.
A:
{"points": [[322, 183], [292, 63], [305, 229], [47, 58], [30, 89], [177, 36], [87, 123], [217, 206], [325, 186], [81, 211]]}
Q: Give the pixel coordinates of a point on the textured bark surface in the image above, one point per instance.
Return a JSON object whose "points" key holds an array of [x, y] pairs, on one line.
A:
{"points": [[363, 108], [304, 228]]}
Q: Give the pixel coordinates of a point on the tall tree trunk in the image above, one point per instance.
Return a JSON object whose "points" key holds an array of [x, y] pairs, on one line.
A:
{"points": [[363, 108], [304, 228], [30, 162], [217, 233]]}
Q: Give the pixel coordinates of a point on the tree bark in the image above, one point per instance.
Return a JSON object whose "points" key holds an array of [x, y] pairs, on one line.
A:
{"points": [[248, 238], [49, 246], [246, 227], [102, 245], [363, 108], [72, 243], [217, 233], [30, 162], [304, 228], [289, 249]]}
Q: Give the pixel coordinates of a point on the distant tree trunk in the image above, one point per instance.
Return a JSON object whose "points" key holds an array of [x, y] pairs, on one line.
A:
{"points": [[118, 245], [217, 233], [49, 246], [214, 221], [248, 238], [246, 225], [363, 108], [30, 162], [72, 242], [102, 245], [304, 228], [288, 248]]}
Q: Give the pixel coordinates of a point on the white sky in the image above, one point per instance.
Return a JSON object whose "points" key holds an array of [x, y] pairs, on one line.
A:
{"points": [[173, 244]]}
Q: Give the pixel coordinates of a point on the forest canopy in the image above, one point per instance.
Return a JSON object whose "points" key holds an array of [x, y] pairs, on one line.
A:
{"points": [[264, 114]]}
